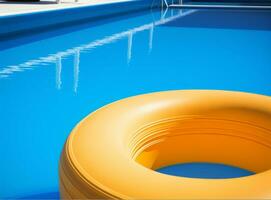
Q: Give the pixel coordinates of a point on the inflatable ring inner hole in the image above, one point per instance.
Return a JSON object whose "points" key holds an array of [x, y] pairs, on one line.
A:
{"points": [[202, 139]]}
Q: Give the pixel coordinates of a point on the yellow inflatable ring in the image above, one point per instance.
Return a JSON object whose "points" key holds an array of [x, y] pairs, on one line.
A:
{"points": [[113, 152]]}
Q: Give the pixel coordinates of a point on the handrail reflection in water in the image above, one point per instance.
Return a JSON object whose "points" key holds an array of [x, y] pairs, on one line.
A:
{"points": [[57, 57]]}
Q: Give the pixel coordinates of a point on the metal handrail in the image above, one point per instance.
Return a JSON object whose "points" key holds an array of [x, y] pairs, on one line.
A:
{"points": [[187, 5]]}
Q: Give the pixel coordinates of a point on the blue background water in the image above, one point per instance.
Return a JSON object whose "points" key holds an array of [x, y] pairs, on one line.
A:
{"points": [[51, 80], [204, 170]]}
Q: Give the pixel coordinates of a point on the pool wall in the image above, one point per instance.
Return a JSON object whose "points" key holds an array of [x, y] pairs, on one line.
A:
{"points": [[13, 25]]}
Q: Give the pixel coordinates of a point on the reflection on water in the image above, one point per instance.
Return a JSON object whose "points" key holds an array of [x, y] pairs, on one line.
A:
{"points": [[58, 72], [129, 50], [151, 38], [56, 58], [76, 70]]}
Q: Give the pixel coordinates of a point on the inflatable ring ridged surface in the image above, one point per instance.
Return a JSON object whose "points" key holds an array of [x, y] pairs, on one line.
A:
{"points": [[113, 152]]}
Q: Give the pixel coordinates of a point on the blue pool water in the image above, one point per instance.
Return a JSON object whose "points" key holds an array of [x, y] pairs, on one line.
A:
{"points": [[205, 170], [51, 80]]}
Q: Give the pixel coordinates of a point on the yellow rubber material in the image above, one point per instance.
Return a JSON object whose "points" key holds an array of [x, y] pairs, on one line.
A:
{"points": [[113, 152]]}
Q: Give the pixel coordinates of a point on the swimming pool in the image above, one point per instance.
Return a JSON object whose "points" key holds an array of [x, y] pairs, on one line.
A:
{"points": [[49, 81]]}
